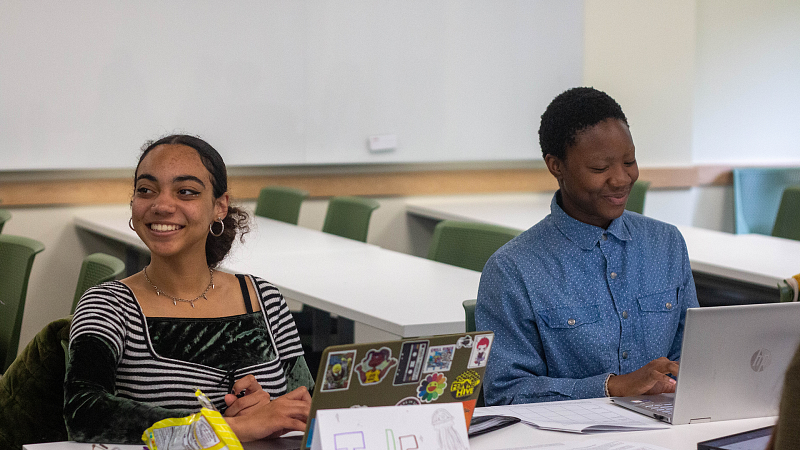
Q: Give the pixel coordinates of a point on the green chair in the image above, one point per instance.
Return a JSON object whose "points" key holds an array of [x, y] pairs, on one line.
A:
{"points": [[787, 221], [637, 195], [32, 390], [96, 268], [16, 260], [349, 217], [757, 196], [467, 244], [280, 203], [469, 314], [4, 216]]}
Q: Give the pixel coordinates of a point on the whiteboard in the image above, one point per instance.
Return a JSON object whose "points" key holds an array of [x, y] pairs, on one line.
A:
{"points": [[84, 84]]}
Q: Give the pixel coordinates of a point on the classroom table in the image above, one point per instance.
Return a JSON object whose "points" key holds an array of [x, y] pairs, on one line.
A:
{"points": [[521, 436], [728, 268], [676, 437], [386, 293]]}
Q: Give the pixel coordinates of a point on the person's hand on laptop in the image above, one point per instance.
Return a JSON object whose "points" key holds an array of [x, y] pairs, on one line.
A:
{"points": [[252, 415], [651, 379]]}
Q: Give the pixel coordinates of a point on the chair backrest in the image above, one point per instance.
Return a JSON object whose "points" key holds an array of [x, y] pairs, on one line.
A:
{"points": [[757, 195], [469, 321], [787, 221], [280, 203], [96, 268], [4, 216], [16, 260], [468, 244], [469, 314], [349, 217], [637, 195]]}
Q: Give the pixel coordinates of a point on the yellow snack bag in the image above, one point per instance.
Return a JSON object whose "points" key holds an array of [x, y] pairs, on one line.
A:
{"points": [[205, 430]]}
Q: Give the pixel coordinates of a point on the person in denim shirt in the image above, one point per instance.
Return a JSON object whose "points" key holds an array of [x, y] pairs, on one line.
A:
{"points": [[591, 301]]}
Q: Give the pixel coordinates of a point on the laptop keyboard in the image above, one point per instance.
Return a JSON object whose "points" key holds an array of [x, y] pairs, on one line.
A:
{"points": [[663, 408]]}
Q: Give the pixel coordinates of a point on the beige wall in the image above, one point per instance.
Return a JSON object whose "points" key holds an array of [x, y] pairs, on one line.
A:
{"points": [[642, 53]]}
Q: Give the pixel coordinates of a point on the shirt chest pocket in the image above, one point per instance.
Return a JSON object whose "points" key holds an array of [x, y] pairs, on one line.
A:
{"points": [[571, 317], [665, 300]]}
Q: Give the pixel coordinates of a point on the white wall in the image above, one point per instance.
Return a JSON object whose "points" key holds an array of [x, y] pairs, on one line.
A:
{"points": [[281, 82], [747, 91]]}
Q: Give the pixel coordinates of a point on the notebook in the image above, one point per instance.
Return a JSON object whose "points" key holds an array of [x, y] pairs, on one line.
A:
{"points": [[413, 371], [733, 361]]}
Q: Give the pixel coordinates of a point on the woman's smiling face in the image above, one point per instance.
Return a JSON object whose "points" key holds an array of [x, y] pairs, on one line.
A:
{"points": [[173, 202], [597, 173]]}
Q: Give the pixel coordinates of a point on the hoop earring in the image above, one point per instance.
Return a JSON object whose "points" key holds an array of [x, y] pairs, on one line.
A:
{"points": [[130, 224], [211, 228]]}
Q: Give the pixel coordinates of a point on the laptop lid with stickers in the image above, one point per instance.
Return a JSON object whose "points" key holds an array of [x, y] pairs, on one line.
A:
{"points": [[413, 371]]}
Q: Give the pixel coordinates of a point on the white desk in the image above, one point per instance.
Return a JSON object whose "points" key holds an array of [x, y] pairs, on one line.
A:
{"points": [[749, 258], [388, 294], [679, 437]]}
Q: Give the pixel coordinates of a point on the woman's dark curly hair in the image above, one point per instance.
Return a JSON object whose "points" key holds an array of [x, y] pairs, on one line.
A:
{"points": [[237, 220], [571, 112]]}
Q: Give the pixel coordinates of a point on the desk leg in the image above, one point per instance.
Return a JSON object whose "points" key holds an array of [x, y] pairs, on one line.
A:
{"points": [[345, 329], [321, 329]]}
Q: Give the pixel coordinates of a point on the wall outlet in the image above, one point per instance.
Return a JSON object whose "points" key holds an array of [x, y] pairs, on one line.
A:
{"points": [[382, 143]]}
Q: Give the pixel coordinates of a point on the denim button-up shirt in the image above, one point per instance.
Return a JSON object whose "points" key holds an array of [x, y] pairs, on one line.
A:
{"points": [[571, 303]]}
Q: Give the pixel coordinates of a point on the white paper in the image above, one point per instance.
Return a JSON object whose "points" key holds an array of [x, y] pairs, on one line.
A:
{"points": [[434, 427], [591, 415]]}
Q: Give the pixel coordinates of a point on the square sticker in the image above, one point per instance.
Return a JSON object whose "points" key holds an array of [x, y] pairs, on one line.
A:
{"points": [[439, 359], [338, 370]]}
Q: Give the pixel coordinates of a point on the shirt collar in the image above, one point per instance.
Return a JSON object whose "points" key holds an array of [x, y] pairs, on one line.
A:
{"points": [[582, 234]]}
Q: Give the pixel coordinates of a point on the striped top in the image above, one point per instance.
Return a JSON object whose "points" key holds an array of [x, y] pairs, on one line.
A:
{"points": [[110, 311]]}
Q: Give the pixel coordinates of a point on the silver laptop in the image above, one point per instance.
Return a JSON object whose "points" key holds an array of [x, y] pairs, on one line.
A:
{"points": [[733, 362]]}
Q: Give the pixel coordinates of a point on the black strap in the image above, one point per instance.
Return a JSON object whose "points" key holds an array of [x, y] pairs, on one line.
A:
{"points": [[245, 292]]}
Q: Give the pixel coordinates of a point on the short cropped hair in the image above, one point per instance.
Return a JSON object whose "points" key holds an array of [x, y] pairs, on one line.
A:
{"points": [[571, 112]]}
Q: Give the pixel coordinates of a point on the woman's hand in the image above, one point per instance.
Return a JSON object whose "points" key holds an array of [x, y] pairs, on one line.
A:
{"points": [[242, 387], [254, 416], [650, 379]]}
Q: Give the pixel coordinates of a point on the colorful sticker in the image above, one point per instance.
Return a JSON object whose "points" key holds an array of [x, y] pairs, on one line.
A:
{"points": [[412, 358], [480, 351], [464, 342], [465, 385], [409, 401], [375, 365], [440, 358], [431, 387], [338, 371]]}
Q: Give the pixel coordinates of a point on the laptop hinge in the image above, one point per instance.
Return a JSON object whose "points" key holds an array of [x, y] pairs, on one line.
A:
{"points": [[700, 420]]}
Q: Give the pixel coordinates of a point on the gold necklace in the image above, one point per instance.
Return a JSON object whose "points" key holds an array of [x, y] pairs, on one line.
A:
{"points": [[175, 300]]}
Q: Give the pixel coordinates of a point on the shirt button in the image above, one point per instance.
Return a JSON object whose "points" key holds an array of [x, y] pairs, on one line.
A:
{"points": [[604, 237], [624, 314], [624, 355], [668, 305], [571, 322], [613, 275]]}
